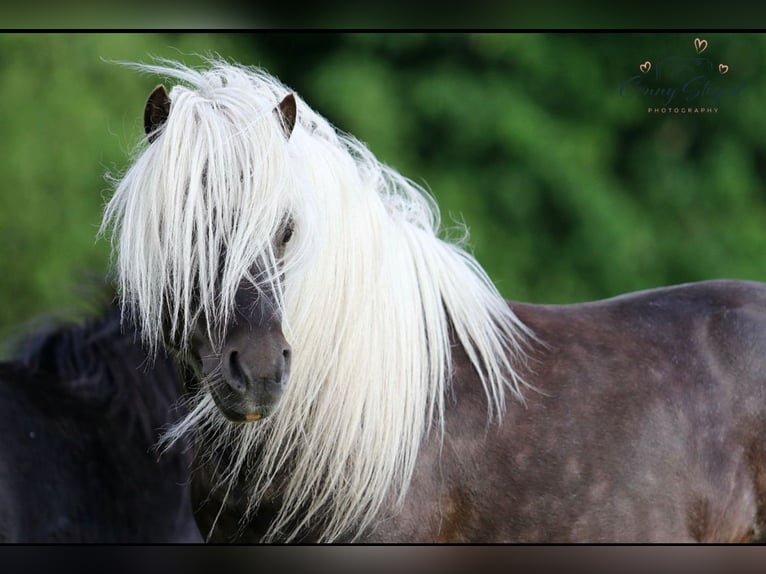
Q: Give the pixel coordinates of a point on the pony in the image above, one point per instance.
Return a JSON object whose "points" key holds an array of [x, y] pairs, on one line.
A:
{"points": [[358, 377], [81, 407]]}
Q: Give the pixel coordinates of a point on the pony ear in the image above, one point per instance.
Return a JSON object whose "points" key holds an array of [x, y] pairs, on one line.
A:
{"points": [[156, 111], [286, 112]]}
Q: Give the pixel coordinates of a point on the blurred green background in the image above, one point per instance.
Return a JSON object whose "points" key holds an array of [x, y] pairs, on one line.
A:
{"points": [[571, 190]]}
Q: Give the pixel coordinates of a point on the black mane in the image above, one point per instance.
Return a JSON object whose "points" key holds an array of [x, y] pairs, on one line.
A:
{"points": [[100, 365], [82, 407]]}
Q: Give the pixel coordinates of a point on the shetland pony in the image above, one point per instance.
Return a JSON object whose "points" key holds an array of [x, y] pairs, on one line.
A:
{"points": [[360, 377], [81, 409]]}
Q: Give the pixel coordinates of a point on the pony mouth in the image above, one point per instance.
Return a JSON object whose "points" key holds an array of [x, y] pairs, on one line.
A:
{"points": [[239, 411], [238, 416]]}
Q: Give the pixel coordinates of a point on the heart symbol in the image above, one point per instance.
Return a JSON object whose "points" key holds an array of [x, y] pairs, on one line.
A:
{"points": [[700, 45], [723, 68], [645, 67]]}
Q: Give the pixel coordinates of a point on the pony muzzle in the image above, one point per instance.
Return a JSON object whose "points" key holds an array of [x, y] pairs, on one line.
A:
{"points": [[251, 388]]}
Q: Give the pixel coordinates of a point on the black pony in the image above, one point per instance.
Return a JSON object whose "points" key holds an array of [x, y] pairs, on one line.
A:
{"points": [[81, 408]]}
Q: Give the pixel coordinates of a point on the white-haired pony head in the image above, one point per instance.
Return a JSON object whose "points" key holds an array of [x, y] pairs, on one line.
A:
{"points": [[370, 298]]}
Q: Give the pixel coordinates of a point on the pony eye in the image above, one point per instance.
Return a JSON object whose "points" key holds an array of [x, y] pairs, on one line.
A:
{"points": [[288, 233]]}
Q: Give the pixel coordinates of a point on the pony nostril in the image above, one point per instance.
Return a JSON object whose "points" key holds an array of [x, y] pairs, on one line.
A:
{"points": [[286, 355], [236, 378]]}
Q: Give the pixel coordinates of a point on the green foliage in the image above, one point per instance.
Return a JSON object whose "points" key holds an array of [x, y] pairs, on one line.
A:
{"points": [[571, 190], [69, 115]]}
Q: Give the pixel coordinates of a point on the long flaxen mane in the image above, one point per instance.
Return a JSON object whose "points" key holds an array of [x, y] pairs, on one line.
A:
{"points": [[370, 293]]}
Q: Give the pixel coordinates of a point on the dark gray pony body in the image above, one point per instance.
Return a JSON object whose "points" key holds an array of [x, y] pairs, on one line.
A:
{"points": [[643, 416], [80, 412], [649, 425]]}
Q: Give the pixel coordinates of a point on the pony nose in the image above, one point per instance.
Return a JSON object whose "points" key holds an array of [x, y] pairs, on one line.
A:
{"points": [[257, 374]]}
